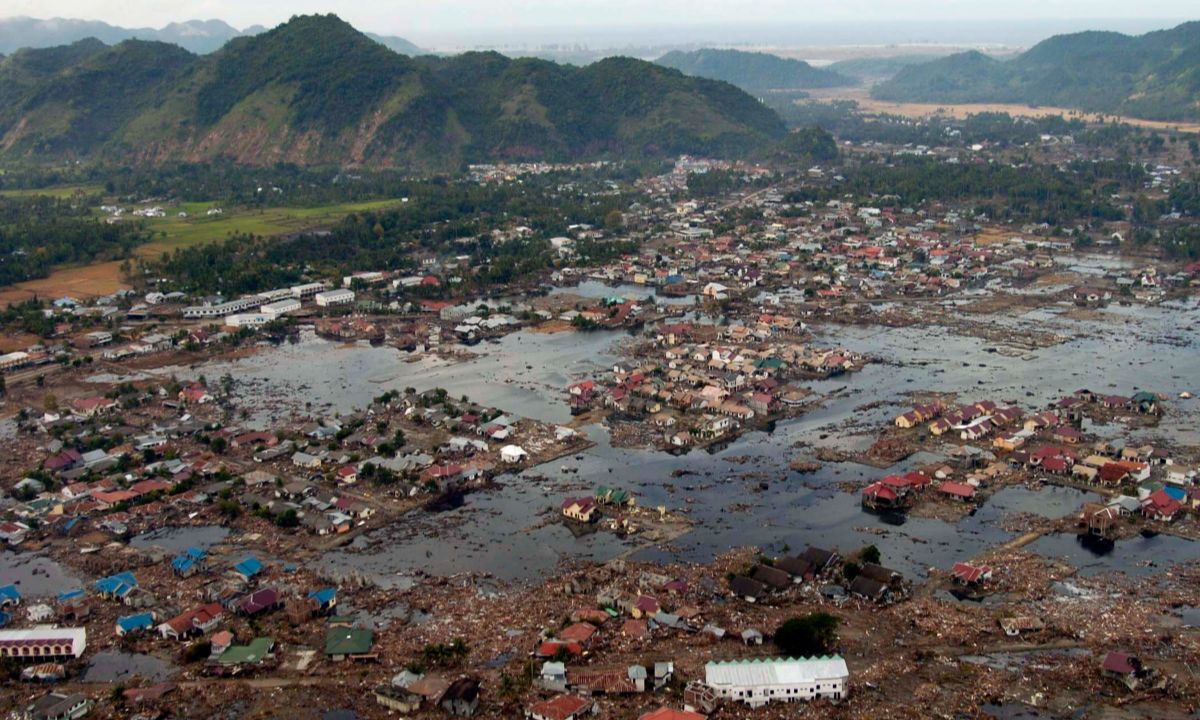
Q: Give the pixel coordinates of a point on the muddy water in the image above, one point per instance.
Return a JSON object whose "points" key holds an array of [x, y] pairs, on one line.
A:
{"points": [[115, 666], [1136, 556], [595, 290], [178, 539], [523, 373], [36, 576], [505, 532]]}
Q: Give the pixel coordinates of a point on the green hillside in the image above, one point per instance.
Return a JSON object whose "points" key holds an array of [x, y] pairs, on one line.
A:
{"points": [[753, 71], [1154, 76], [316, 91]]}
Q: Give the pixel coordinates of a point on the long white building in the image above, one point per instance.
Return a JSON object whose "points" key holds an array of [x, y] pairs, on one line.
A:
{"points": [[238, 320], [307, 290], [334, 297], [274, 310], [44, 642], [760, 681], [249, 302]]}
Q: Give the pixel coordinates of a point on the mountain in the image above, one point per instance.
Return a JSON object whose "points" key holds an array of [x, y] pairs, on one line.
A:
{"points": [[316, 91], [1154, 76], [198, 36], [874, 69], [753, 71], [397, 44]]}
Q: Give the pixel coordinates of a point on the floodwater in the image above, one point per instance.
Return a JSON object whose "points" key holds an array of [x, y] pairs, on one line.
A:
{"points": [[523, 373], [116, 666], [510, 533], [1137, 556], [36, 576], [178, 539], [595, 290]]}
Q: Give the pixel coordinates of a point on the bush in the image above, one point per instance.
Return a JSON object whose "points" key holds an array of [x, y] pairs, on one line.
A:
{"points": [[196, 652], [870, 554], [812, 634]]}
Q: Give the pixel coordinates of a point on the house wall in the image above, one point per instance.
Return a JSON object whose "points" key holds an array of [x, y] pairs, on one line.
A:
{"points": [[759, 695]]}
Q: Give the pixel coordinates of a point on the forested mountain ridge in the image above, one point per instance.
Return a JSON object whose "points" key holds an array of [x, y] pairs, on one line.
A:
{"points": [[316, 91], [753, 71], [1154, 76], [198, 36]]}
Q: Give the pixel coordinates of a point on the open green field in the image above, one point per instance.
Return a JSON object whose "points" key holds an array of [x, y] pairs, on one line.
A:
{"points": [[60, 191], [198, 227]]}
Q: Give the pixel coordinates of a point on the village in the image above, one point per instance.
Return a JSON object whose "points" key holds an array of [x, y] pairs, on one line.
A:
{"points": [[217, 549]]}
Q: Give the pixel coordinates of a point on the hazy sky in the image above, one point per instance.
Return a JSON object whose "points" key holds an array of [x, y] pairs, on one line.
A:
{"points": [[514, 24], [443, 15]]}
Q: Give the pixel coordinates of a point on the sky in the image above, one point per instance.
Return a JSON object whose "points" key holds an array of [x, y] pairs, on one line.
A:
{"points": [[445, 19]]}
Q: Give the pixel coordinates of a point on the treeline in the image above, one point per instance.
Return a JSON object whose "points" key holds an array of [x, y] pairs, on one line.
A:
{"points": [[1030, 193], [282, 184], [844, 119], [439, 220], [40, 232]]}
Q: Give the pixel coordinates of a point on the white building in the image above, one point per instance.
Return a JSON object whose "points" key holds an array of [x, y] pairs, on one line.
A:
{"points": [[238, 320], [43, 641], [370, 278], [226, 308], [513, 453], [334, 297], [760, 681], [308, 289], [281, 307], [273, 295], [14, 360]]}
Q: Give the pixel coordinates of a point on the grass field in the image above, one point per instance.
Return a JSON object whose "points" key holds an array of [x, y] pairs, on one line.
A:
{"points": [[84, 282], [103, 278], [200, 228], [61, 191], [994, 236]]}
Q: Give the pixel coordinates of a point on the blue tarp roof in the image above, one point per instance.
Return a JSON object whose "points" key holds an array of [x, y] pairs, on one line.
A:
{"points": [[249, 566], [324, 596], [10, 592], [1177, 494], [70, 595], [186, 560], [141, 621], [119, 584]]}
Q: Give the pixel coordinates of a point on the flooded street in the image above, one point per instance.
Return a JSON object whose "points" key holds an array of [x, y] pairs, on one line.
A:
{"points": [[121, 667], [178, 539], [34, 574], [505, 533]]}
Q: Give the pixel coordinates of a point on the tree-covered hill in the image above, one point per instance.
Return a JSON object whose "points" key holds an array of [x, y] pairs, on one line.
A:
{"points": [[1154, 76], [315, 91], [753, 71]]}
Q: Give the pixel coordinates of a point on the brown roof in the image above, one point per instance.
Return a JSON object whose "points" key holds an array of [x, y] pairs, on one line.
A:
{"points": [[559, 708], [606, 680]]}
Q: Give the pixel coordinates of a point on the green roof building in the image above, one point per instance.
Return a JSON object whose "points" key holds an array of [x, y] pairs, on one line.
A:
{"points": [[349, 642], [251, 654]]}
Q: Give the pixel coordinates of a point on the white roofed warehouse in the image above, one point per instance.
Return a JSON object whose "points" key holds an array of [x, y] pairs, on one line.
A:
{"points": [[760, 681], [334, 297]]}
